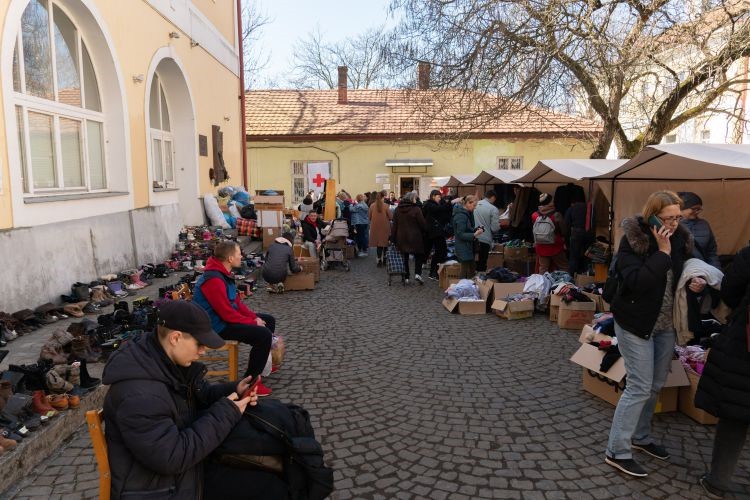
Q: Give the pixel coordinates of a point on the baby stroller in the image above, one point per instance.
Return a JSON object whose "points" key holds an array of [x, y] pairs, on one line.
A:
{"points": [[334, 245]]}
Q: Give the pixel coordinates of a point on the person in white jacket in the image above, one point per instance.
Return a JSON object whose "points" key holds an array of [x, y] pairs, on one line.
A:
{"points": [[486, 215]]}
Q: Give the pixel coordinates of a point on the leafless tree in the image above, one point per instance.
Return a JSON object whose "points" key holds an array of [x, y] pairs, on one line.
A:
{"points": [[255, 58], [315, 61], [641, 67]]}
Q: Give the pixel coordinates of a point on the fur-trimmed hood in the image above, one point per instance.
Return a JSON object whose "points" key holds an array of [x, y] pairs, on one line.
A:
{"points": [[639, 235]]}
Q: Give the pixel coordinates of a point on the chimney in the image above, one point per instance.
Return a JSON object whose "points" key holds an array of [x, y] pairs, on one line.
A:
{"points": [[342, 84], [423, 75]]}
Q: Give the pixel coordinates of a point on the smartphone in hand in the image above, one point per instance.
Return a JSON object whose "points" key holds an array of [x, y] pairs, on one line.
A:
{"points": [[250, 388], [655, 221]]}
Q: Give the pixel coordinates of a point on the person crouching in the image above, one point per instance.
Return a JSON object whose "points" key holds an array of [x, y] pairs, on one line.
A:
{"points": [[278, 262]]}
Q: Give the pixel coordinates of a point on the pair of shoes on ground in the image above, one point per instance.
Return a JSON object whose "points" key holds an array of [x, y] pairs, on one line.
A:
{"points": [[275, 288], [417, 278], [633, 468]]}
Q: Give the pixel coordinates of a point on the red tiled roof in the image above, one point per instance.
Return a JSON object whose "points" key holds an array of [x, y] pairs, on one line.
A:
{"points": [[285, 114]]}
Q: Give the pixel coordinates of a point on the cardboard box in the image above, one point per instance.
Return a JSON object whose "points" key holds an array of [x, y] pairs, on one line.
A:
{"points": [[516, 253], [270, 218], [609, 386], [520, 266], [495, 259], [470, 306], [498, 248], [300, 251], [310, 265], [687, 402], [601, 305], [446, 272], [589, 335], [554, 307], [574, 315], [270, 234], [268, 200], [510, 310], [584, 279], [299, 281]]}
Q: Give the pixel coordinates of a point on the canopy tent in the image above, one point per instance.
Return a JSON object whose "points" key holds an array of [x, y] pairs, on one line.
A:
{"points": [[459, 180], [568, 170], [718, 173], [497, 177]]}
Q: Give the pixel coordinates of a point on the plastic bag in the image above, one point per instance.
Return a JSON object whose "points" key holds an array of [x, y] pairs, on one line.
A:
{"points": [[539, 284]]}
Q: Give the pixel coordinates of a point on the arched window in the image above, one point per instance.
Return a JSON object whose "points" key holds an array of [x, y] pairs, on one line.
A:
{"points": [[58, 107], [162, 141]]}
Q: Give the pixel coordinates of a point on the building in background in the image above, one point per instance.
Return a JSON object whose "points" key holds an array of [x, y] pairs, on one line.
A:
{"points": [[114, 116]]}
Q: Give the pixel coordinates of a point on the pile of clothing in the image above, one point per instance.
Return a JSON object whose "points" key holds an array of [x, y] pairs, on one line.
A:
{"points": [[463, 290], [693, 358]]}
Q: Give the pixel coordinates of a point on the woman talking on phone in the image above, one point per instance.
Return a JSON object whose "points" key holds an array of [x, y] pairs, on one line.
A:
{"points": [[649, 263]]}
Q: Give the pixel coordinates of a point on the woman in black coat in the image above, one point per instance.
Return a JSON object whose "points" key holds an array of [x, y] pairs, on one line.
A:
{"points": [[649, 263], [408, 234], [724, 387], [437, 214]]}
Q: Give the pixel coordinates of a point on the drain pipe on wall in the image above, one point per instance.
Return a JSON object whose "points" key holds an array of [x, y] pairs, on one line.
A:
{"points": [[243, 133]]}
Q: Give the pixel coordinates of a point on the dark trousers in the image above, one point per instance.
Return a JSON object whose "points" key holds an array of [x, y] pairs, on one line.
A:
{"points": [[418, 261], [484, 252], [578, 243], [363, 235], [258, 337], [728, 443], [441, 252], [468, 269], [381, 252]]}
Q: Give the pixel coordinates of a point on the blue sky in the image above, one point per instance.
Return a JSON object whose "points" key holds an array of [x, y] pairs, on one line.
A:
{"points": [[292, 19]]}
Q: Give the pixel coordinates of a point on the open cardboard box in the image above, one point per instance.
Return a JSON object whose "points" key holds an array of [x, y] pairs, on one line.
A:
{"points": [[299, 281], [511, 310], [589, 335], [601, 304], [446, 272], [584, 279], [516, 253], [495, 259], [574, 315], [554, 306], [470, 306], [310, 265], [300, 251], [609, 386], [687, 402]]}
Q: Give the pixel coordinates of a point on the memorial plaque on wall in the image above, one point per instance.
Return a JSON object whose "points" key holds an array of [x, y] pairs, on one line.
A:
{"points": [[202, 145]]}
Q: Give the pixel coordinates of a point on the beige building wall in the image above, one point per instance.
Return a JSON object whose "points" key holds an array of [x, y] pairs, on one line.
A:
{"points": [[355, 164], [139, 35]]}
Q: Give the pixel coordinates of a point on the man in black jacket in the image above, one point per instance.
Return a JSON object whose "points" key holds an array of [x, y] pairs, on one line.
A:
{"points": [[162, 419]]}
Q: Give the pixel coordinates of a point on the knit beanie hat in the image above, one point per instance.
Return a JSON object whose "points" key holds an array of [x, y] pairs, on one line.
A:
{"points": [[690, 199], [545, 199]]}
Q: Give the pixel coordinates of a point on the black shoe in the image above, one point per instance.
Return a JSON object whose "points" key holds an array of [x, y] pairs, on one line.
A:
{"points": [[627, 465], [654, 450], [433, 276], [711, 491]]}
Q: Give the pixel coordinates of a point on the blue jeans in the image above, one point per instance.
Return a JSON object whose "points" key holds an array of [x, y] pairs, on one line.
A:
{"points": [[363, 236], [647, 364]]}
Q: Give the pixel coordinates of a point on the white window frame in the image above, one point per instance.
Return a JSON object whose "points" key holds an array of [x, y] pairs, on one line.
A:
{"points": [[706, 136], [29, 103], [510, 162], [670, 139], [163, 136], [303, 177]]}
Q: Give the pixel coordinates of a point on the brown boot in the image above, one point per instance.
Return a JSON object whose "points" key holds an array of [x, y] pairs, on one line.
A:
{"points": [[6, 392], [6, 443], [41, 406], [82, 350], [58, 401], [74, 401]]}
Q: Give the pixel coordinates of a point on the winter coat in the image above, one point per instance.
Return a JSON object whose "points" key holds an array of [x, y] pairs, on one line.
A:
{"points": [[550, 249], [436, 217], [642, 271], [380, 225], [279, 260], [408, 228], [311, 232], [305, 209], [216, 292], [463, 228], [486, 214], [162, 421], [724, 387], [359, 213], [705, 243]]}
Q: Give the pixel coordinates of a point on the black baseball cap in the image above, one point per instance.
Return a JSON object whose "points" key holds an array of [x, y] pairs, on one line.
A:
{"points": [[191, 318]]}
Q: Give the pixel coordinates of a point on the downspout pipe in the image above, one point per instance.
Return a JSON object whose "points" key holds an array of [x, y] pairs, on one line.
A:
{"points": [[241, 97]]}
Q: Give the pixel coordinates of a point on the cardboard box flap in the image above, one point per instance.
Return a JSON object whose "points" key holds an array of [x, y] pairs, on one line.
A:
{"points": [[515, 306], [502, 290], [677, 376], [590, 357]]}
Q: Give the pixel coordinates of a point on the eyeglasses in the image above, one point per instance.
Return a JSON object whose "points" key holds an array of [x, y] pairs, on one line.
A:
{"points": [[669, 220]]}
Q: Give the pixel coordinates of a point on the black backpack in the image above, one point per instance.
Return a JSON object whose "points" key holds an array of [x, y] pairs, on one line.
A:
{"points": [[273, 428], [248, 212], [612, 285]]}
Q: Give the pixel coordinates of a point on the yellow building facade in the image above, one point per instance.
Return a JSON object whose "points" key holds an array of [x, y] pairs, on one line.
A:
{"points": [[113, 115]]}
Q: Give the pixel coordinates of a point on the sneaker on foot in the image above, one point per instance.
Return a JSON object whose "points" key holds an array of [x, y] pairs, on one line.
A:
{"points": [[627, 465], [711, 491], [434, 276], [418, 279], [362, 254], [263, 390], [654, 450]]}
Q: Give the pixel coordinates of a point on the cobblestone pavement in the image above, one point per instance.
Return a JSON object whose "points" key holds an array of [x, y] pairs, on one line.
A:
{"points": [[410, 401]]}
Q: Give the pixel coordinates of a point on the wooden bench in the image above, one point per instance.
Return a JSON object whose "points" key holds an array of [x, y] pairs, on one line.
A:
{"points": [[232, 357], [95, 421]]}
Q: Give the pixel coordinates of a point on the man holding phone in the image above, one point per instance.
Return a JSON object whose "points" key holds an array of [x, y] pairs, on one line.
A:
{"points": [[163, 419]]}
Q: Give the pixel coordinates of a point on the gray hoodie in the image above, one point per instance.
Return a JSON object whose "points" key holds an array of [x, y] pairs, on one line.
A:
{"points": [[486, 214]]}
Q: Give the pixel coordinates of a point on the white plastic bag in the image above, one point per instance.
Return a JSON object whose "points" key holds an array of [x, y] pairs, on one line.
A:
{"points": [[539, 284]]}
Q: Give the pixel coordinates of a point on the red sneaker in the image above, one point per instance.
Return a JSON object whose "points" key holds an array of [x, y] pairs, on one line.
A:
{"points": [[262, 390]]}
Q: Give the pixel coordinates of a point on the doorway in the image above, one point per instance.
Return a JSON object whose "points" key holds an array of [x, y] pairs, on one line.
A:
{"points": [[407, 184]]}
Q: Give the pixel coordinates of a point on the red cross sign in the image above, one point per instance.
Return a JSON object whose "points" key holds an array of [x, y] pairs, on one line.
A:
{"points": [[318, 180]]}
